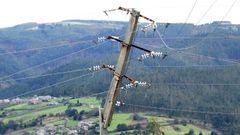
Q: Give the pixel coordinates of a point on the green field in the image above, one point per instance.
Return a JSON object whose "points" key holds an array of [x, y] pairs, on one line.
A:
{"points": [[119, 119], [125, 118], [26, 112], [33, 114], [26, 106], [89, 100]]}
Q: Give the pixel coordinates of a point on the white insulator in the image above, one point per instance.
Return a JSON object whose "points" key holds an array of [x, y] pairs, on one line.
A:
{"points": [[95, 68], [114, 37], [128, 86], [154, 26], [90, 69], [101, 39], [157, 54], [148, 27], [118, 103], [151, 54], [136, 84], [111, 66], [143, 84]]}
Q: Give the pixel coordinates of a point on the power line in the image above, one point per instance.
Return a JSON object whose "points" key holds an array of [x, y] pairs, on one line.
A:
{"points": [[55, 84], [58, 58], [198, 55], [182, 110], [229, 10], [232, 5], [79, 70], [190, 37], [212, 58], [196, 84], [44, 75], [223, 16], [193, 54], [164, 43], [46, 47], [95, 94], [192, 66], [60, 44], [206, 12], [186, 20]]}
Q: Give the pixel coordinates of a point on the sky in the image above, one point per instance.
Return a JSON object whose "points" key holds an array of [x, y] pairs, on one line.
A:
{"points": [[13, 12]]}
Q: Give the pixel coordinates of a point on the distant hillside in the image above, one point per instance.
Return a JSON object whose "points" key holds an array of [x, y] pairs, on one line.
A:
{"points": [[205, 82], [53, 40], [58, 39]]}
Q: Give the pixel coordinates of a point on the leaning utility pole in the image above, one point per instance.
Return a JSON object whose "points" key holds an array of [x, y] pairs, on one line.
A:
{"points": [[118, 73], [107, 112]]}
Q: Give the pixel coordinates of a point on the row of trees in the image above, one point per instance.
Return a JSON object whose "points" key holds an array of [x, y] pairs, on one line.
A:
{"points": [[13, 125]]}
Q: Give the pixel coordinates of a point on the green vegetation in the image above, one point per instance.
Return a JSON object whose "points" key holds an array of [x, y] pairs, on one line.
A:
{"points": [[92, 100], [26, 106], [124, 119], [120, 119], [174, 129], [57, 122], [200, 86], [72, 123], [34, 114]]}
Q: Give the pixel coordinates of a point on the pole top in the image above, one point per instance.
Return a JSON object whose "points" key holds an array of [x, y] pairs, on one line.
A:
{"points": [[135, 13]]}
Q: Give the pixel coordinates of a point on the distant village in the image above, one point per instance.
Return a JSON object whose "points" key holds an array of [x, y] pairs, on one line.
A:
{"points": [[84, 126], [34, 100]]}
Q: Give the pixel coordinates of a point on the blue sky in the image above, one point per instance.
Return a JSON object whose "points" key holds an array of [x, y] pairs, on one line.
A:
{"points": [[14, 12]]}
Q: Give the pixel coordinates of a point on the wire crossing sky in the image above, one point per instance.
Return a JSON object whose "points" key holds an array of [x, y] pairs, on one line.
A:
{"points": [[13, 12]]}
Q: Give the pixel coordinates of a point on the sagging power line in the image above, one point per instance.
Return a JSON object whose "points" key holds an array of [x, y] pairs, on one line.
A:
{"points": [[49, 86], [49, 61], [60, 44], [45, 75], [182, 110]]}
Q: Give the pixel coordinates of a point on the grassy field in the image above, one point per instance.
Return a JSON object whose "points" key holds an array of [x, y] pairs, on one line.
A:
{"points": [[90, 100], [178, 129], [123, 118], [26, 112], [33, 114], [26, 106], [72, 123]]}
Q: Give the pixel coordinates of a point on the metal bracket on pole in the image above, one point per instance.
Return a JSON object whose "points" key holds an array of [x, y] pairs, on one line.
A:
{"points": [[121, 41]]}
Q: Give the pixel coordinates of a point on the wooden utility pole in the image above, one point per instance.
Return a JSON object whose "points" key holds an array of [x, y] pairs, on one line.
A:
{"points": [[107, 112]]}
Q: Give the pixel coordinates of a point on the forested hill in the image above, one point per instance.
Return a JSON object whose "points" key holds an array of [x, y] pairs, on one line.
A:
{"points": [[201, 71]]}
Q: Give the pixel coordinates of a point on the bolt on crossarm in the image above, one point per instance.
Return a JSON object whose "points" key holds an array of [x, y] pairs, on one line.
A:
{"points": [[107, 112]]}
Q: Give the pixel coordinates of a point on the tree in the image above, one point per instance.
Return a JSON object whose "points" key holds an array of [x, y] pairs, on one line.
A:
{"points": [[213, 133], [155, 128], [137, 117], [122, 127], [71, 112], [2, 128], [191, 132], [77, 117], [12, 125], [78, 103]]}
